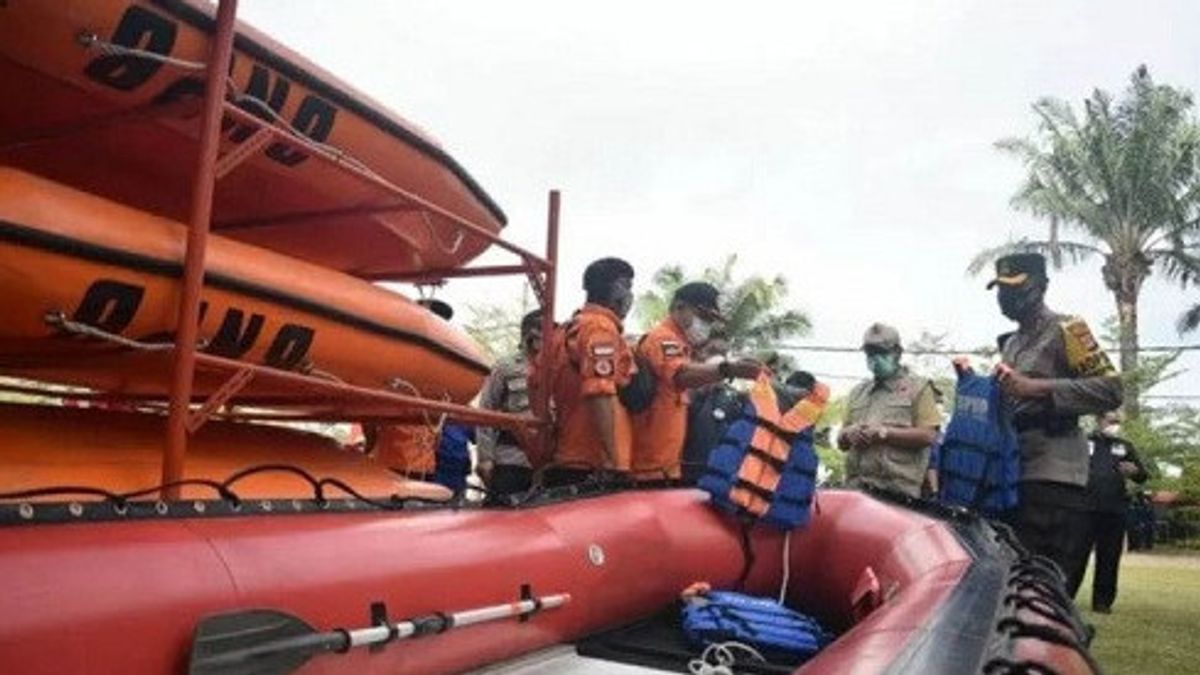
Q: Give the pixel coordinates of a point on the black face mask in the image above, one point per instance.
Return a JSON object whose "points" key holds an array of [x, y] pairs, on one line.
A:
{"points": [[1018, 302]]}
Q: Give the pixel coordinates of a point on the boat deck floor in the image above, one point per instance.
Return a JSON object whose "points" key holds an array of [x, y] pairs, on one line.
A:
{"points": [[653, 644]]}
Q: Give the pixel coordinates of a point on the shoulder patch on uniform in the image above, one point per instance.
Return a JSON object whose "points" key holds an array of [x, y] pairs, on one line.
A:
{"points": [[603, 349], [1084, 354], [672, 348]]}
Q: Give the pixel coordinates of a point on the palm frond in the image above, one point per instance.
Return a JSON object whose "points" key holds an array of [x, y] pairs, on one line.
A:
{"points": [[1074, 252], [1189, 320]]}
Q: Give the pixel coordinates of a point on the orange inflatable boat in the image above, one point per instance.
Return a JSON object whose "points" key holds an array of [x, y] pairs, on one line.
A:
{"points": [[98, 94], [121, 452], [70, 254]]}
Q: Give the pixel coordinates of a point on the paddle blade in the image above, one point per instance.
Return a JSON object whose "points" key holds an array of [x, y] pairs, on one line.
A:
{"points": [[253, 642]]}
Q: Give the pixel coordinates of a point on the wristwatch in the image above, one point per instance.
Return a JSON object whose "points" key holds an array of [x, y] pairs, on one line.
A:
{"points": [[723, 370]]}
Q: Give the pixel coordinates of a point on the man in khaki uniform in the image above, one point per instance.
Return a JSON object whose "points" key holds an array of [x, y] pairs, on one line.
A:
{"points": [[892, 420], [1053, 372]]}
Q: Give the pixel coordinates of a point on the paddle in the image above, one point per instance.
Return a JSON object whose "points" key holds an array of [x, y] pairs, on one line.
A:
{"points": [[268, 642]]}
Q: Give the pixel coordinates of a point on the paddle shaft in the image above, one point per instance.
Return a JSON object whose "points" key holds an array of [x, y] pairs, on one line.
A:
{"points": [[340, 640]]}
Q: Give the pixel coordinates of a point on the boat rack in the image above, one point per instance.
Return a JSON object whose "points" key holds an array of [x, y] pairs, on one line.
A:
{"points": [[311, 395]]}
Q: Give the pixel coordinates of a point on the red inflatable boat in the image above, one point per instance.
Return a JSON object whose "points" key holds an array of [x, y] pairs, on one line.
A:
{"points": [[135, 589]]}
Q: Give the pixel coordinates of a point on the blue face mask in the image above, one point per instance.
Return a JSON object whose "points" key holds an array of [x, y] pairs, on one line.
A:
{"points": [[883, 366]]}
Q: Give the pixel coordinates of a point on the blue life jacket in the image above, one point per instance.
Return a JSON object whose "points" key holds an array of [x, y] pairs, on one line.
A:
{"points": [[766, 465], [979, 462], [723, 616], [453, 457]]}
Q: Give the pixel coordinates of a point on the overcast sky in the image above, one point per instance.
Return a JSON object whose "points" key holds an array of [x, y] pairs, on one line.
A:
{"points": [[846, 145]]}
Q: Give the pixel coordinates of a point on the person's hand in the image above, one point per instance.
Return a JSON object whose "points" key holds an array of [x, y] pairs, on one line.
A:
{"points": [[857, 436], [746, 369], [1127, 468], [1021, 386]]}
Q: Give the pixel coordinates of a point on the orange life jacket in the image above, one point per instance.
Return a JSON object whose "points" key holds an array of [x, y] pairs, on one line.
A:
{"points": [[766, 466]]}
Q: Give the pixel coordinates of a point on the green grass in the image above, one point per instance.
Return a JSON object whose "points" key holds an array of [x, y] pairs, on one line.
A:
{"points": [[1155, 624]]}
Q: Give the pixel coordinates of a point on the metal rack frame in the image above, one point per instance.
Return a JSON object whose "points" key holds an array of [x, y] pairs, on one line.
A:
{"points": [[342, 401]]}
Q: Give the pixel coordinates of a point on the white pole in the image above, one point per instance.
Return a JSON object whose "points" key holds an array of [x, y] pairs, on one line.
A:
{"points": [[405, 629]]}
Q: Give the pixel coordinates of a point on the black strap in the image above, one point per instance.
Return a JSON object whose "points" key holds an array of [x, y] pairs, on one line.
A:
{"points": [[379, 617], [770, 460], [789, 436], [747, 552]]}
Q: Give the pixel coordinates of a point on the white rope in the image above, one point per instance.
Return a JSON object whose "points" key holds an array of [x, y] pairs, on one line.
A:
{"points": [[92, 41], [719, 658], [787, 565], [451, 249]]}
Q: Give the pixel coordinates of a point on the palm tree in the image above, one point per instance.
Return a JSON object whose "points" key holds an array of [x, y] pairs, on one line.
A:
{"points": [[756, 321], [1125, 178]]}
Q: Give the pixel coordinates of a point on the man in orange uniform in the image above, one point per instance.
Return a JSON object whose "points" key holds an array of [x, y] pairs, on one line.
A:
{"points": [[660, 430], [590, 362]]}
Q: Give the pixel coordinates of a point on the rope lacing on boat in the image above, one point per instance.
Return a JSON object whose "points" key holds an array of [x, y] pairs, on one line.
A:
{"points": [[1037, 586], [121, 501], [245, 101]]}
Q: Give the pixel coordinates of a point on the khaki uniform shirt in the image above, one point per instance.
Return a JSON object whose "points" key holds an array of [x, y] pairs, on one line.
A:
{"points": [[506, 390], [1060, 348], [905, 400]]}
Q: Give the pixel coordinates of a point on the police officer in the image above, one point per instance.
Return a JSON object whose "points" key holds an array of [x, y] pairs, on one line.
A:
{"points": [[504, 464], [1052, 372], [891, 421], [1113, 460]]}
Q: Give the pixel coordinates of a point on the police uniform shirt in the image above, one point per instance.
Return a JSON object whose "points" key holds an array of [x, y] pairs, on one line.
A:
{"points": [[1059, 348], [506, 390], [905, 401]]}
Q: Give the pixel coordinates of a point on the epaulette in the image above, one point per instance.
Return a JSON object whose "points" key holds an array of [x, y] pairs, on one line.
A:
{"points": [[1084, 354]]}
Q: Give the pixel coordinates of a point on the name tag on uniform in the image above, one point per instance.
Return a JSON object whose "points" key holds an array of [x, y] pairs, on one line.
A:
{"points": [[671, 348], [1118, 450], [1091, 448]]}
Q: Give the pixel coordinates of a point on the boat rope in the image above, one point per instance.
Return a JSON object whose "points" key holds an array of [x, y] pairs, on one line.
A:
{"points": [[247, 101], [1017, 629], [1001, 666], [787, 565], [400, 384], [719, 658], [452, 249], [122, 501], [59, 320], [92, 41]]}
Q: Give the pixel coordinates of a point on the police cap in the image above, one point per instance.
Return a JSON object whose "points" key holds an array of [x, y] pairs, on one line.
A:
{"points": [[1018, 268], [881, 336]]}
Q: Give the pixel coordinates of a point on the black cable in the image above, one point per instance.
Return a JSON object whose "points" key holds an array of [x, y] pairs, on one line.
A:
{"points": [[318, 492], [61, 490], [224, 492]]}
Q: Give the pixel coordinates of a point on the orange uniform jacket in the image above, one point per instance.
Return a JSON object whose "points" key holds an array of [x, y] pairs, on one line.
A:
{"points": [[589, 358], [407, 448], [659, 430]]}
